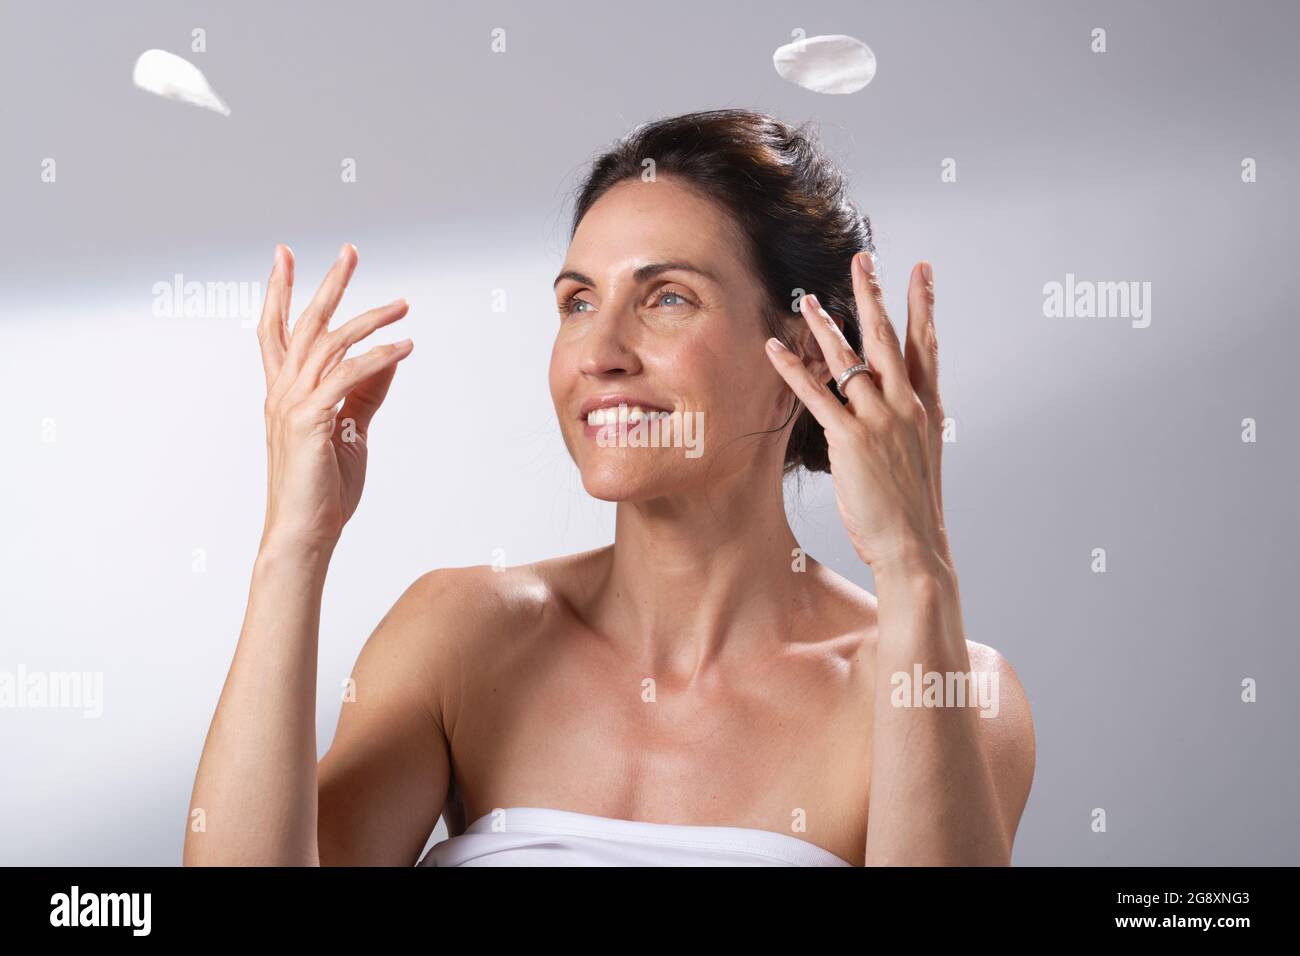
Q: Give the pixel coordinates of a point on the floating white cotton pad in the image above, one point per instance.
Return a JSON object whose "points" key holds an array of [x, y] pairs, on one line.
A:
{"points": [[826, 64], [169, 75]]}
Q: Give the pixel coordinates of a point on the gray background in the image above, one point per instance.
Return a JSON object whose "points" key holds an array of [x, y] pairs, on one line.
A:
{"points": [[1072, 433]]}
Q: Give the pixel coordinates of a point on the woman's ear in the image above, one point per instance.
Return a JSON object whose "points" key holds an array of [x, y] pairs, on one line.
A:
{"points": [[808, 349]]}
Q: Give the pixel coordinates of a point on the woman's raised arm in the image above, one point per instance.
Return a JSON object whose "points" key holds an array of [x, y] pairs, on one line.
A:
{"points": [[948, 783], [255, 798]]}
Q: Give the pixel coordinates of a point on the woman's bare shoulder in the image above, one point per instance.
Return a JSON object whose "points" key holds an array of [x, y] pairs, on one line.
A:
{"points": [[845, 607], [479, 599]]}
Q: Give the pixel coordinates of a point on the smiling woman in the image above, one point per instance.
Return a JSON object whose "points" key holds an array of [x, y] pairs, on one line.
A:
{"points": [[700, 690], [779, 220]]}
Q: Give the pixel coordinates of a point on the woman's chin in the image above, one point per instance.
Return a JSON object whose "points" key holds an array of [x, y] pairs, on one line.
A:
{"points": [[622, 480]]}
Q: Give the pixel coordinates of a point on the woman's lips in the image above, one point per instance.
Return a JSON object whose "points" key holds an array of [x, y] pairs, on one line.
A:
{"points": [[608, 417], [631, 414]]}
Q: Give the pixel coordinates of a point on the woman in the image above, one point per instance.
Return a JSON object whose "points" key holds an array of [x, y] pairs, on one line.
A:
{"points": [[700, 691]]}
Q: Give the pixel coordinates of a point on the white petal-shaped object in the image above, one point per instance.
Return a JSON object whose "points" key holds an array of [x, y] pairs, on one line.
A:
{"points": [[157, 71], [826, 64]]}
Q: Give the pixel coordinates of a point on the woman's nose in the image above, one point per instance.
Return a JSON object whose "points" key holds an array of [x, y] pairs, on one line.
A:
{"points": [[609, 347]]}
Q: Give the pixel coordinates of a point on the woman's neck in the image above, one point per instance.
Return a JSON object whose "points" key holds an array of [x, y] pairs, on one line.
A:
{"points": [[693, 578]]}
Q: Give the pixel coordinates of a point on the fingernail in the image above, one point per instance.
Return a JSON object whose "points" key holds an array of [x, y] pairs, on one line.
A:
{"points": [[343, 251], [812, 300], [927, 272], [402, 344], [774, 345]]}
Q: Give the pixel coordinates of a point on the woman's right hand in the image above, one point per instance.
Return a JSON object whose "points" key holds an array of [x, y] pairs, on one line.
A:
{"points": [[316, 453]]}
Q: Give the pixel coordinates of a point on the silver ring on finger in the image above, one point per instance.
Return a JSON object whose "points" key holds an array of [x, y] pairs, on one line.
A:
{"points": [[848, 373]]}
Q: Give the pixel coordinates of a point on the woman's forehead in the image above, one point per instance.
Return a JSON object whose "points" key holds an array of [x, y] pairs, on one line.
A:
{"points": [[636, 224], [665, 201]]}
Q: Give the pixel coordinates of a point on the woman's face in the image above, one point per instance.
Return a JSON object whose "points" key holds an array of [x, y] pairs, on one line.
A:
{"points": [[659, 312]]}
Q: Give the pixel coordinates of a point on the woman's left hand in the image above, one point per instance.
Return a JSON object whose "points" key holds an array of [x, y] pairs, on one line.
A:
{"points": [[885, 444]]}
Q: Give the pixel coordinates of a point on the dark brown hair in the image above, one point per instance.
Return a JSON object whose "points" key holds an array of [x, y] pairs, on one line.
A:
{"points": [[787, 199]]}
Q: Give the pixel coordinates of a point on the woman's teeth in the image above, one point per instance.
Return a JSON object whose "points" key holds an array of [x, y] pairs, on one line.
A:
{"points": [[629, 414]]}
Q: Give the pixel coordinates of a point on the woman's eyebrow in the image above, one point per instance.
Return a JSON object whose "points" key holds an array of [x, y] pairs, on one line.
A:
{"points": [[643, 273]]}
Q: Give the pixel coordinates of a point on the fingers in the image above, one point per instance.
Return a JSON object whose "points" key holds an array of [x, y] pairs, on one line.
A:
{"points": [[350, 373], [364, 400], [879, 340], [861, 392], [330, 347], [922, 361], [816, 397], [272, 329], [922, 357], [315, 318]]}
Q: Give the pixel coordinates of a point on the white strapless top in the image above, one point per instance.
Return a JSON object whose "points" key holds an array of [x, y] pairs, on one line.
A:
{"points": [[537, 836]]}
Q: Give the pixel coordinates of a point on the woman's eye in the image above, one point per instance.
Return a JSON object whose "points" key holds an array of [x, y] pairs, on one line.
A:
{"points": [[570, 305], [573, 305], [678, 295]]}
